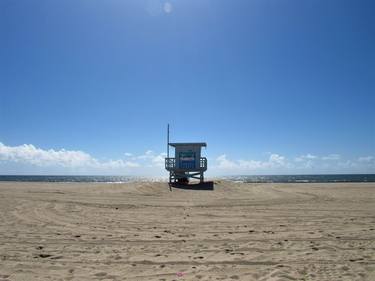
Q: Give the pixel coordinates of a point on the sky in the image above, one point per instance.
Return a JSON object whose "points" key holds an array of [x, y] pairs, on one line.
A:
{"points": [[272, 86]]}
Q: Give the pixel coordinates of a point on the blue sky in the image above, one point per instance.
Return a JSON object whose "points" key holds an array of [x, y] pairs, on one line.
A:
{"points": [[273, 86]]}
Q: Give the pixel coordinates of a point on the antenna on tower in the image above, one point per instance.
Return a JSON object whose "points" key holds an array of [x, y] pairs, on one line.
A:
{"points": [[168, 141]]}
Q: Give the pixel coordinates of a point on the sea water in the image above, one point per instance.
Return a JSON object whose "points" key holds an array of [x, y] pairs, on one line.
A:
{"points": [[241, 178], [304, 178]]}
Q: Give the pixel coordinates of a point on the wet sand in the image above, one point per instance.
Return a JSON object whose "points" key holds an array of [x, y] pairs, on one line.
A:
{"points": [[142, 231]]}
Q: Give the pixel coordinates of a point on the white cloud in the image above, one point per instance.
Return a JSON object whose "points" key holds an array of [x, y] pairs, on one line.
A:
{"points": [[224, 163], [310, 156], [159, 159], [79, 161], [167, 7], [307, 163], [29, 154], [151, 159], [332, 157], [274, 161], [306, 157], [131, 164], [366, 159], [250, 164], [149, 154], [27, 157], [115, 164]]}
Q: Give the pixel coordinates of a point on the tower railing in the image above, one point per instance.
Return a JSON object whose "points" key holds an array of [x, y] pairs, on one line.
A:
{"points": [[170, 164]]}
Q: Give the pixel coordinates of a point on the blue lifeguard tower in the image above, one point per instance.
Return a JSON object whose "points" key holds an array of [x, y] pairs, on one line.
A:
{"points": [[187, 162]]}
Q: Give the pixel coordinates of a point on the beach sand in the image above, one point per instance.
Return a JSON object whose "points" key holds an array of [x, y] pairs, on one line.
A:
{"points": [[142, 231]]}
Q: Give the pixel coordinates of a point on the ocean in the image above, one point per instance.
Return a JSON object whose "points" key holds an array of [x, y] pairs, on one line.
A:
{"points": [[242, 178], [107, 179], [304, 178]]}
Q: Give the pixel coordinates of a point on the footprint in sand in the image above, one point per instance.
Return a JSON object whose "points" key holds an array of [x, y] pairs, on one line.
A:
{"points": [[200, 257], [100, 274], [43, 256]]}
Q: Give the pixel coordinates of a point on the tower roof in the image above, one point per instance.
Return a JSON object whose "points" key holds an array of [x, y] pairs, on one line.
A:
{"points": [[174, 144]]}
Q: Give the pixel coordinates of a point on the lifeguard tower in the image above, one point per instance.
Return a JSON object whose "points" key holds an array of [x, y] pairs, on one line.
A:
{"points": [[187, 162]]}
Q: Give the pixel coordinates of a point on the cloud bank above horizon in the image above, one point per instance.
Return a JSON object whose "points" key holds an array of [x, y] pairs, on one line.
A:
{"points": [[29, 159]]}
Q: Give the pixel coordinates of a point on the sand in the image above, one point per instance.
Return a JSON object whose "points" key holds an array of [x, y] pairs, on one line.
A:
{"points": [[142, 231]]}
